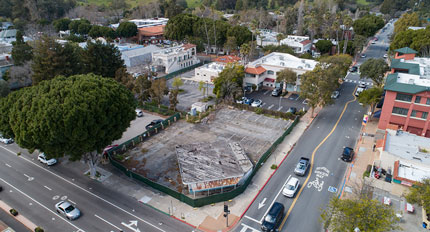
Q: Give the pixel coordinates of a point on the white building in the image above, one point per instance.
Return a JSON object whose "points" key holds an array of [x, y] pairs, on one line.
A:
{"points": [[208, 72], [300, 44], [137, 55], [267, 37], [263, 72], [172, 59], [144, 22]]}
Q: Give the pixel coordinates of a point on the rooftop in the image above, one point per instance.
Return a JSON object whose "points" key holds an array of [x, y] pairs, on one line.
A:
{"points": [[406, 50], [413, 172], [139, 50], [408, 146], [152, 31], [213, 67], [174, 50], [201, 163], [227, 59], [257, 70], [406, 83], [295, 40], [285, 60]]}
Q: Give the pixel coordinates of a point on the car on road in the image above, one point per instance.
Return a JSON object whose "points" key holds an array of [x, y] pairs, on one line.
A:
{"points": [[44, 160], [347, 154], [386, 49], [362, 85], [291, 187], [273, 218], [139, 113], [249, 101], [302, 166], [335, 94], [241, 100], [154, 123], [376, 38], [257, 103], [385, 55], [363, 55], [359, 91], [5, 140], [68, 210], [353, 69], [373, 42], [292, 110], [276, 92]]}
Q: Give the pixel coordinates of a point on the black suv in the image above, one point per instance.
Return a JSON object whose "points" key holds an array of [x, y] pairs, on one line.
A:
{"points": [[274, 218], [153, 123], [348, 154]]}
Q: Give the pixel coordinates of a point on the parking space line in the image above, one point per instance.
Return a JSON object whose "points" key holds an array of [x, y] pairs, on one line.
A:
{"points": [[270, 107], [274, 199], [280, 108], [242, 139], [266, 92]]}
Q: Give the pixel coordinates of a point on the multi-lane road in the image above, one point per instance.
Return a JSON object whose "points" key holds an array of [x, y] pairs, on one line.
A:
{"points": [[33, 189]]}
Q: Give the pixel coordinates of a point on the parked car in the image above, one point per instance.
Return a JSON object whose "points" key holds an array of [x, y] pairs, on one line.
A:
{"points": [[276, 92], [363, 55], [153, 123], [302, 166], [292, 110], [335, 94], [241, 100], [386, 49], [353, 69], [44, 160], [273, 218], [291, 187], [139, 113], [385, 55], [362, 85], [5, 140], [373, 42], [376, 38], [249, 101], [68, 210], [256, 103], [108, 148], [359, 91], [347, 154]]}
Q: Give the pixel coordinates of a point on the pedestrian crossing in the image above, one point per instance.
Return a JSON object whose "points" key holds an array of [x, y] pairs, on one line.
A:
{"points": [[359, 82]]}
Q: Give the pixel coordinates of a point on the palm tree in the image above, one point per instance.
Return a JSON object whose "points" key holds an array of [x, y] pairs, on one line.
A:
{"points": [[244, 51], [280, 37], [347, 22]]}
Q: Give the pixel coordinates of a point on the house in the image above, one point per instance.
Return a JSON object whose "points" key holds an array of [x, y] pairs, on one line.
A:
{"points": [[137, 55], [208, 72], [405, 155], [8, 35], [267, 37], [263, 72], [5, 47], [153, 35], [173, 59], [407, 94], [5, 63], [300, 44], [5, 25]]}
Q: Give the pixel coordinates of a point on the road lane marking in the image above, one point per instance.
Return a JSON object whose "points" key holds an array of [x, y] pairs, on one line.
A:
{"points": [[8, 165], [72, 202], [312, 159], [116, 227], [252, 219], [47, 188], [246, 227], [261, 204], [40, 204], [90, 193], [268, 208]]}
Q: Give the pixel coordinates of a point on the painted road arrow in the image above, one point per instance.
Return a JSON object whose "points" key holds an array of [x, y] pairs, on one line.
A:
{"points": [[261, 204]]}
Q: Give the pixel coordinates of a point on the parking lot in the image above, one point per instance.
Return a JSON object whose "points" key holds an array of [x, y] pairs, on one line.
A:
{"points": [[156, 157], [137, 127], [191, 93], [278, 103]]}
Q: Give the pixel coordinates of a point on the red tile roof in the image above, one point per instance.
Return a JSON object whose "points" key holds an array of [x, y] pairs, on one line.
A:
{"points": [[269, 80], [152, 31], [305, 42], [258, 70], [188, 46], [227, 59]]}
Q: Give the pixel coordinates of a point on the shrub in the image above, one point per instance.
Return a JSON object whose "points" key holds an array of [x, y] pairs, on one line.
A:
{"points": [[259, 111], [274, 166], [18, 154], [13, 212], [366, 174], [38, 229]]}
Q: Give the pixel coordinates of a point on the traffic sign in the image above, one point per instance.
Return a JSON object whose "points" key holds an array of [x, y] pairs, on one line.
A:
{"points": [[365, 119]]}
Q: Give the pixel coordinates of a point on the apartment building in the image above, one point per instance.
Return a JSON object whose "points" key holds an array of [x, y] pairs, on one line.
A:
{"points": [[173, 59], [407, 97], [300, 44]]}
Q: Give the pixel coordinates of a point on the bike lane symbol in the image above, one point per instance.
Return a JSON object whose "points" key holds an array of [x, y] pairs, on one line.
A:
{"points": [[318, 183]]}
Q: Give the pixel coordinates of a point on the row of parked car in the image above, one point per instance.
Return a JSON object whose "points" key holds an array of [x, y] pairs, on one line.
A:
{"points": [[250, 101]]}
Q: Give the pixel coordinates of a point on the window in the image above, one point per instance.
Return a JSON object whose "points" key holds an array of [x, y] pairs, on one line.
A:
{"points": [[428, 101], [401, 111], [424, 115], [414, 113], [417, 99], [270, 72], [404, 97]]}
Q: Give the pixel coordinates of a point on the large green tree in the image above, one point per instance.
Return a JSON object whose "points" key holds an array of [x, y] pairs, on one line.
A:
{"points": [[407, 20], [418, 40], [101, 59], [62, 24], [374, 69], [419, 194], [241, 33], [371, 97], [287, 76], [142, 88], [76, 116], [368, 25], [180, 26], [75, 24], [21, 51], [51, 59], [126, 30], [228, 84], [368, 215], [324, 46], [158, 90]]}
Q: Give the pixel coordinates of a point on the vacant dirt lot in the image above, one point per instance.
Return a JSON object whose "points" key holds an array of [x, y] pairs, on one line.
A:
{"points": [[156, 157]]}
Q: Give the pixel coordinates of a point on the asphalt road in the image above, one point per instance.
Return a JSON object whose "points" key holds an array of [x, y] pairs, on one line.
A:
{"points": [[305, 207], [377, 50], [33, 189]]}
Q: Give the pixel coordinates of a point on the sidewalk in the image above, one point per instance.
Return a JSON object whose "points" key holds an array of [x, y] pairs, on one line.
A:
{"points": [[209, 217], [20, 218]]}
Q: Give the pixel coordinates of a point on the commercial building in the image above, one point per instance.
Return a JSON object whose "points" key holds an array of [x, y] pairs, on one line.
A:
{"points": [[153, 34], [173, 59], [263, 72], [407, 94], [300, 44], [137, 55], [208, 72]]}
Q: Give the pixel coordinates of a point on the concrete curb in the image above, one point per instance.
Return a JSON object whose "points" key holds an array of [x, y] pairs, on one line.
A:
{"points": [[26, 222]]}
